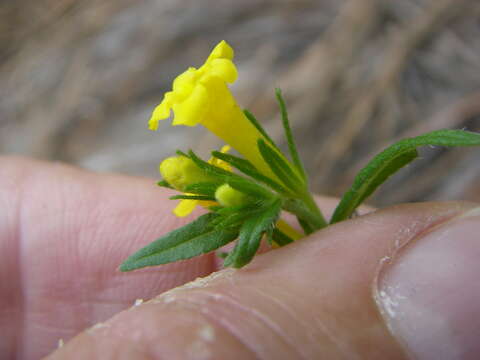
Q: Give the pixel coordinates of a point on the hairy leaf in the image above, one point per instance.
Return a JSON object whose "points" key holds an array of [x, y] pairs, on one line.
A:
{"points": [[188, 241], [280, 167], [249, 169], [292, 147], [251, 234], [259, 127], [390, 161]]}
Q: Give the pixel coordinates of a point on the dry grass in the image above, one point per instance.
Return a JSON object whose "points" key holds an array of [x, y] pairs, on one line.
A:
{"points": [[78, 80]]}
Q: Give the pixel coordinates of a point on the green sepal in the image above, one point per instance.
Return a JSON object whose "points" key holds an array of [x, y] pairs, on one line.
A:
{"points": [[259, 127], [250, 188], [391, 160], [236, 181], [292, 147], [280, 167], [192, 197], [251, 233], [307, 228], [249, 169], [203, 188], [235, 217], [193, 239], [165, 184], [280, 238], [181, 153]]}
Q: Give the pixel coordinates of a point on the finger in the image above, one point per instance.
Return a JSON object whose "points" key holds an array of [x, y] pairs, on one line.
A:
{"points": [[63, 233], [314, 299]]}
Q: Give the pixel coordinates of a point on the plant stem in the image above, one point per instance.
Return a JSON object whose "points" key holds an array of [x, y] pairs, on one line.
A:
{"points": [[307, 209], [320, 221]]}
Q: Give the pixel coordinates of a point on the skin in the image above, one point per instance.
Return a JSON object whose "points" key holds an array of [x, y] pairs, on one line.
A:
{"points": [[64, 231]]}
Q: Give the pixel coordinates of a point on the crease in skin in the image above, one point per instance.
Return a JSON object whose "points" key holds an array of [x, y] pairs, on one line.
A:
{"points": [[287, 310], [320, 325], [209, 311]]}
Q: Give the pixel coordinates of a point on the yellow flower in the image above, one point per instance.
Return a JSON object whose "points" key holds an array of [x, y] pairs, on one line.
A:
{"points": [[180, 171], [202, 96]]}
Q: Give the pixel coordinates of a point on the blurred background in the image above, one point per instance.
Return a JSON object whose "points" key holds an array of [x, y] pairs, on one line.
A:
{"points": [[79, 79]]}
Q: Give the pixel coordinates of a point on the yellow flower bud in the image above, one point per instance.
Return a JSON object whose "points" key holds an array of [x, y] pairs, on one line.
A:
{"points": [[228, 196], [180, 171]]}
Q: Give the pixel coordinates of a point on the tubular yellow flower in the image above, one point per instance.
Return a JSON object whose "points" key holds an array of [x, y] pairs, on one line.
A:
{"points": [[180, 171], [202, 96]]}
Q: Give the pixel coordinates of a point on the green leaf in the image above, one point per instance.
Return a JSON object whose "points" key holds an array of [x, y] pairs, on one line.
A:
{"points": [[280, 167], [222, 174], [232, 220], [181, 153], [203, 188], [280, 238], [259, 127], [238, 182], [250, 188], [391, 160], [188, 241], [292, 147], [249, 169], [251, 234], [192, 197], [165, 184], [307, 228]]}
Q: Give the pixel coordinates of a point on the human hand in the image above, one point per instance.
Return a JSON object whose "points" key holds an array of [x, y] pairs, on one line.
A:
{"points": [[64, 231]]}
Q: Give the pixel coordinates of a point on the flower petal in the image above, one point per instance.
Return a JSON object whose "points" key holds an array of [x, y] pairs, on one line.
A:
{"points": [[161, 112], [185, 207], [192, 110], [221, 51], [225, 69]]}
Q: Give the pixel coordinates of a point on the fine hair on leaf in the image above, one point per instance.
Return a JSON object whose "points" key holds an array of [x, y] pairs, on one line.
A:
{"points": [[292, 147], [389, 161], [280, 167], [251, 233], [190, 240], [249, 169]]}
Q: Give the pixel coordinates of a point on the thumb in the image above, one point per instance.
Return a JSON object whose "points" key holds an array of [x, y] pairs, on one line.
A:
{"points": [[377, 287]]}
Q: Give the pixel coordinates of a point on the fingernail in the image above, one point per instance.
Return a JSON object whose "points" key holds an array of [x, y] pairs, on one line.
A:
{"points": [[429, 294]]}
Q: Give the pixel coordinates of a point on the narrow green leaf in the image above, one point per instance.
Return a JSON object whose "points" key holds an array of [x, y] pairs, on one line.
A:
{"points": [[259, 127], [251, 234], [233, 220], [188, 241], [280, 167], [233, 209], [307, 228], [292, 147], [203, 188], [222, 174], [192, 197], [181, 153], [249, 169], [165, 184], [391, 160], [236, 181], [280, 238], [250, 188]]}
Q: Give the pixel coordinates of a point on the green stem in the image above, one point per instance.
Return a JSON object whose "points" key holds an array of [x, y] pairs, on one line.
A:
{"points": [[320, 221], [307, 209]]}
